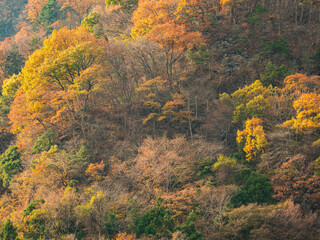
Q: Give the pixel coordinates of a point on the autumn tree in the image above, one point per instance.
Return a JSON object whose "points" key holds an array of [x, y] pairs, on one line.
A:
{"points": [[299, 99], [297, 84], [125, 236], [252, 139], [9, 88], [243, 221], [180, 202], [93, 215], [199, 14], [225, 169], [296, 181], [175, 39], [50, 173], [150, 13], [307, 114], [249, 101], [57, 82], [156, 21], [214, 202], [284, 220], [156, 166], [155, 97], [57, 168], [33, 9], [293, 87], [95, 170], [176, 111], [152, 92]]}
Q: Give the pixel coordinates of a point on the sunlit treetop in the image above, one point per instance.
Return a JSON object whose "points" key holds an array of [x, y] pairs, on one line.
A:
{"points": [[69, 64], [299, 83], [307, 118], [249, 101], [150, 13], [54, 59]]}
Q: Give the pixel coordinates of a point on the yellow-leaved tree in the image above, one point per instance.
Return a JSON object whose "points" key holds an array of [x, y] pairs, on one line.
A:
{"points": [[249, 101], [252, 138]]}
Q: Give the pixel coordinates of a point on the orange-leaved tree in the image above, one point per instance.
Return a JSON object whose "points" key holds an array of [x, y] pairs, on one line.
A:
{"points": [[33, 9], [299, 100], [199, 14], [294, 87], [307, 117], [57, 81], [156, 21], [298, 83], [150, 13], [176, 110]]}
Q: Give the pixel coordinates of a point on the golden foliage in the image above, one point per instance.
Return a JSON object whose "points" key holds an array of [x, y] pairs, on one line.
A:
{"points": [[253, 137], [95, 169], [126, 236], [56, 80], [249, 101]]}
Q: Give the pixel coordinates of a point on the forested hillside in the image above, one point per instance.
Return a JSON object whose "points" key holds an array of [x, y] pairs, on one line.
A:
{"points": [[160, 119]]}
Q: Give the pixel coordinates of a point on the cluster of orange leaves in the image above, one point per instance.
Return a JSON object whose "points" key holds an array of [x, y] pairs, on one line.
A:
{"points": [[292, 181], [304, 94], [95, 170], [157, 21]]}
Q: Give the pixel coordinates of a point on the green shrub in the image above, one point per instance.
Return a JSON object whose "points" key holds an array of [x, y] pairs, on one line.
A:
{"points": [[43, 143], [157, 222], [189, 228], [256, 188], [274, 75], [111, 224], [254, 18], [9, 164], [32, 206], [49, 13], [91, 20], [279, 46], [8, 232]]}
